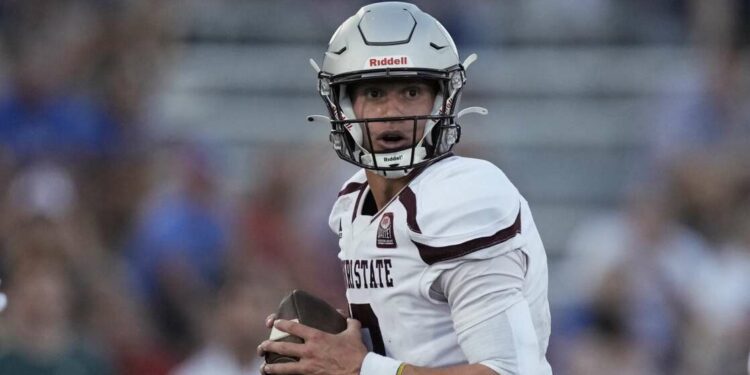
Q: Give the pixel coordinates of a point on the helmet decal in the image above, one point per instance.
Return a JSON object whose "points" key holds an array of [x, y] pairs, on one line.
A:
{"points": [[387, 61]]}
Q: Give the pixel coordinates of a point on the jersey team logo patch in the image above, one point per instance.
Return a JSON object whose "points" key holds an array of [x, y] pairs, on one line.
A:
{"points": [[386, 239]]}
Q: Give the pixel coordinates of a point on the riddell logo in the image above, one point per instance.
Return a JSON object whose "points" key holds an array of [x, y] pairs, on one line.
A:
{"points": [[393, 158], [388, 61]]}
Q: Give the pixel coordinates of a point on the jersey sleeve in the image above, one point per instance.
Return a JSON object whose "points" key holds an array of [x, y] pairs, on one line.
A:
{"points": [[463, 209], [490, 314]]}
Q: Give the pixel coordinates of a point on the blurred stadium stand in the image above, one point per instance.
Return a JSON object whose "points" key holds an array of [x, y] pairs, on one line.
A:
{"points": [[208, 99], [569, 89]]}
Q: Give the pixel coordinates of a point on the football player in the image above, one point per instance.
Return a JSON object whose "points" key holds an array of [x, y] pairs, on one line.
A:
{"points": [[443, 263]]}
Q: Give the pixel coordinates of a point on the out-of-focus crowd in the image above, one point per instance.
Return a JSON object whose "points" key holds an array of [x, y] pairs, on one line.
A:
{"points": [[122, 254], [118, 252], [660, 284]]}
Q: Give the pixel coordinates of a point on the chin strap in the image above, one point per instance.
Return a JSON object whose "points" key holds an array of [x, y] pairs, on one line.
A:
{"points": [[392, 159]]}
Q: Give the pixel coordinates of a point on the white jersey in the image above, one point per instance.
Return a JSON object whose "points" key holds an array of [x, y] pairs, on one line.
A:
{"points": [[457, 210]]}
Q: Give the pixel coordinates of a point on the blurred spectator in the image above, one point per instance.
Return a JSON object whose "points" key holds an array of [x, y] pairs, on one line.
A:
{"points": [[712, 195], [80, 78], [42, 337], [45, 113], [130, 55], [43, 217], [120, 323], [655, 287], [636, 265], [605, 346], [48, 193], [42, 210], [177, 251], [710, 109], [669, 273], [283, 223], [237, 327], [710, 112]]}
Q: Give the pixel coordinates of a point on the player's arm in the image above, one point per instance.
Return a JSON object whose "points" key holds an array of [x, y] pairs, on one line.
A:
{"points": [[491, 316], [492, 319], [462, 370], [344, 354], [474, 240]]}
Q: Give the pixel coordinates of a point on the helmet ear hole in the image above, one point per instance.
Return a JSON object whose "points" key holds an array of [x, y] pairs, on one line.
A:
{"points": [[452, 136], [337, 140]]}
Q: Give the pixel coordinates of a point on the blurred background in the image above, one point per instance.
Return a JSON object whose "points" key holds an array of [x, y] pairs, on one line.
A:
{"points": [[160, 190]]}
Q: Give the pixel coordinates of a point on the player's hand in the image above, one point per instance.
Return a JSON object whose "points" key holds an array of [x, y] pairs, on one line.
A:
{"points": [[269, 324], [269, 321], [321, 354]]}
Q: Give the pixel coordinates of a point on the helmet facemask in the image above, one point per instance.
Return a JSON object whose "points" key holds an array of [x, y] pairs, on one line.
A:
{"points": [[351, 136], [391, 41]]}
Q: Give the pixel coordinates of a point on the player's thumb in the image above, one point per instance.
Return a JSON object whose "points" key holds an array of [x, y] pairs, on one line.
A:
{"points": [[353, 325]]}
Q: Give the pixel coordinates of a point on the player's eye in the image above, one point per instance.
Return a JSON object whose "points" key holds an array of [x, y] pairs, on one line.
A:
{"points": [[412, 92], [373, 93]]}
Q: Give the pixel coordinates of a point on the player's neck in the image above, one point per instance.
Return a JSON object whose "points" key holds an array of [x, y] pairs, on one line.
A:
{"points": [[384, 189]]}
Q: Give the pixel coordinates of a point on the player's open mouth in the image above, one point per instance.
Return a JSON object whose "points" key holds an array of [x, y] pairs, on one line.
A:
{"points": [[392, 141]]}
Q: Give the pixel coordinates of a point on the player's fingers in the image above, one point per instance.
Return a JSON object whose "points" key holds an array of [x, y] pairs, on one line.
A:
{"points": [[296, 329], [269, 320], [284, 368], [285, 348]]}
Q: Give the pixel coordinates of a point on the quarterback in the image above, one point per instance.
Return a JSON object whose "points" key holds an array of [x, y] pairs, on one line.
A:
{"points": [[444, 267]]}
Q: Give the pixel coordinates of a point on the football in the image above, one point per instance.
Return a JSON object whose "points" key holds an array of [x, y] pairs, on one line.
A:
{"points": [[306, 309]]}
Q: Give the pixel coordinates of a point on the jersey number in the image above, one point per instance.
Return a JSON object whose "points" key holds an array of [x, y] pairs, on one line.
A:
{"points": [[363, 312]]}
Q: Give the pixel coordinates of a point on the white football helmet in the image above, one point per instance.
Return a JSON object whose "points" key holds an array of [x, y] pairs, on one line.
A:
{"points": [[392, 40]]}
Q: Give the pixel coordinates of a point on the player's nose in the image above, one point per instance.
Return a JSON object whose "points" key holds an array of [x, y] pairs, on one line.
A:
{"points": [[391, 106]]}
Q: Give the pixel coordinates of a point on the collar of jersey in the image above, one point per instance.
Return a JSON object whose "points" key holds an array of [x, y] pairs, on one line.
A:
{"points": [[412, 177]]}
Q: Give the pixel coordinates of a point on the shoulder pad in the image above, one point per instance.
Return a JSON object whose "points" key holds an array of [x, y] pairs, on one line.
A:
{"points": [[463, 206]]}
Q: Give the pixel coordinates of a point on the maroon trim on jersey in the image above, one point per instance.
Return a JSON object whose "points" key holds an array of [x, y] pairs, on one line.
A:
{"points": [[352, 187], [409, 201], [356, 203], [434, 254], [416, 172]]}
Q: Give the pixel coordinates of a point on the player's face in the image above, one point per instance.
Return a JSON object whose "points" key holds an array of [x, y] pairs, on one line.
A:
{"points": [[394, 98]]}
